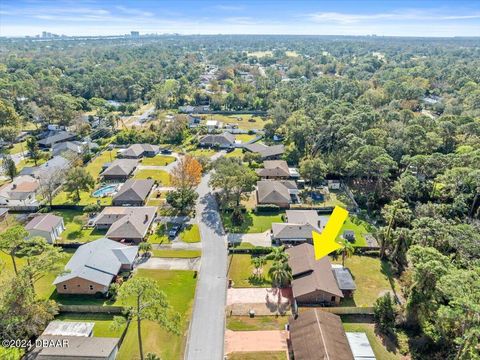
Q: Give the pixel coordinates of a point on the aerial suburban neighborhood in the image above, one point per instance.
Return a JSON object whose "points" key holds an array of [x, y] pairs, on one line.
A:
{"points": [[166, 196]]}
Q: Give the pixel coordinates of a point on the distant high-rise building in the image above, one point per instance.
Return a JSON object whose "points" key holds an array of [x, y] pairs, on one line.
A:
{"points": [[134, 33], [44, 34]]}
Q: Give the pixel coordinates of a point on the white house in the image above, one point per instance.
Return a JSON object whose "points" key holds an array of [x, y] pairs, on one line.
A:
{"points": [[20, 193], [47, 226]]}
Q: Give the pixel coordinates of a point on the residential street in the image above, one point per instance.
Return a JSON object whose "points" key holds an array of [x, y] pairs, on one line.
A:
{"points": [[206, 335]]}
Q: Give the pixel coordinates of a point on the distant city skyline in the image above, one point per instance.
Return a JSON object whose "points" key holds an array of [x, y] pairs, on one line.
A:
{"points": [[382, 18]]}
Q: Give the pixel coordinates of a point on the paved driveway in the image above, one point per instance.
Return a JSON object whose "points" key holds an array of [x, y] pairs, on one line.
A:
{"points": [[256, 239], [170, 264], [255, 341], [206, 335], [263, 301]]}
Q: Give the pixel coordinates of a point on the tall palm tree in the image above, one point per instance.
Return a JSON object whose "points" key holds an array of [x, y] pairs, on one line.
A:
{"points": [[145, 247], [280, 273], [346, 251], [278, 254], [258, 262]]}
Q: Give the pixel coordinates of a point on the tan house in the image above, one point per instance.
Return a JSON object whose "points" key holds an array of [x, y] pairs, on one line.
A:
{"points": [[94, 266], [318, 335], [274, 169], [313, 280], [280, 193], [20, 193], [130, 224]]}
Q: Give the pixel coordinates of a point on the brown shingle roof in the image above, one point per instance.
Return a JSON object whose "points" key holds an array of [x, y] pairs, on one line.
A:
{"points": [[310, 275], [274, 168], [127, 222], [318, 335], [121, 167]]}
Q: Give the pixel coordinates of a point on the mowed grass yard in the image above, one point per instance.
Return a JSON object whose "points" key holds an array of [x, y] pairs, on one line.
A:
{"points": [[159, 160], [372, 277], [74, 232], [185, 254], [384, 350], [161, 176], [244, 137], [253, 223], [179, 287], [244, 121], [94, 168], [257, 323], [359, 229], [260, 355], [241, 272], [190, 234], [237, 153], [43, 287], [103, 323]]}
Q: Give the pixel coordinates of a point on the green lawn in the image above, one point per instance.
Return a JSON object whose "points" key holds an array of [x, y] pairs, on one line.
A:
{"points": [[103, 323], [74, 221], [241, 272], [261, 355], [159, 160], [202, 152], [27, 162], [160, 236], [372, 277], [186, 254], [94, 168], [43, 286], [9, 221], [18, 147], [191, 234], [160, 176], [359, 230], [179, 287], [244, 137], [242, 120], [253, 223], [257, 323], [376, 342], [235, 153], [157, 198]]}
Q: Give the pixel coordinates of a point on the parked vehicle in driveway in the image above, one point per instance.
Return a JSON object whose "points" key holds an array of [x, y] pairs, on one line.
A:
{"points": [[174, 230], [166, 151]]}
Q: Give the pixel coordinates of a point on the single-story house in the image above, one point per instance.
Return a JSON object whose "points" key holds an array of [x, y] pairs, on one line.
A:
{"points": [[75, 347], [193, 121], [119, 169], [20, 193], [344, 280], [73, 147], [130, 224], [266, 152], [222, 141], [274, 169], [55, 137], [137, 151], [298, 227], [318, 335], [48, 226], [280, 193], [133, 192], [44, 172], [94, 266], [313, 280]]}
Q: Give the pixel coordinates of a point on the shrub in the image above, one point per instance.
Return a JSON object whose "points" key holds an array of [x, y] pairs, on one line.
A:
{"points": [[267, 208], [384, 313]]}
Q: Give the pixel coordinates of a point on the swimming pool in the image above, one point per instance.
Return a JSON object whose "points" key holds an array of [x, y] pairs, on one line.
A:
{"points": [[105, 191]]}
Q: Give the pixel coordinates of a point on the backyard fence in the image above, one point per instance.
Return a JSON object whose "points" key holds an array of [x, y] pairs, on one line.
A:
{"points": [[95, 309], [343, 310]]}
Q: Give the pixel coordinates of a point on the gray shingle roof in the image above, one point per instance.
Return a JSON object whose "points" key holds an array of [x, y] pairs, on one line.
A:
{"points": [[137, 150], [134, 190], [58, 137], [273, 192], [218, 139], [274, 168], [121, 167], [44, 222], [78, 347], [292, 231], [265, 151], [98, 261]]}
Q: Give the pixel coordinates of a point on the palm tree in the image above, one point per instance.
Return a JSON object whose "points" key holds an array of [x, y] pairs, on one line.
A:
{"points": [[258, 262], [280, 273], [347, 250], [145, 247], [278, 254]]}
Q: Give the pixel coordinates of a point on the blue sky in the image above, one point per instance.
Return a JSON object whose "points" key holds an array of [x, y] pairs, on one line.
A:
{"points": [[389, 18]]}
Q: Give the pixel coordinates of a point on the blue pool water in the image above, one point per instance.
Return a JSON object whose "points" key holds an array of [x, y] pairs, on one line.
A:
{"points": [[105, 190]]}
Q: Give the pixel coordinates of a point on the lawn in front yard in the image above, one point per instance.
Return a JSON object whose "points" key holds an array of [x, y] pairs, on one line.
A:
{"points": [[257, 323], [74, 221], [190, 234], [241, 272], [185, 254], [94, 168], [18, 148], [376, 342], [179, 287], [238, 153], [161, 176], [202, 152], [160, 235], [159, 160], [253, 222], [157, 198], [244, 138], [372, 277], [102, 322], [260, 355]]}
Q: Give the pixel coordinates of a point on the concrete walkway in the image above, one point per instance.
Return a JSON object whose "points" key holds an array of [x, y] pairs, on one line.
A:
{"points": [[255, 341], [170, 264], [207, 328], [178, 245]]}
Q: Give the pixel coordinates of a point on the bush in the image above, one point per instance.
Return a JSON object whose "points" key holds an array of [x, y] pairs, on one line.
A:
{"points": [[384, 313], [92, 208], [267, 208]]}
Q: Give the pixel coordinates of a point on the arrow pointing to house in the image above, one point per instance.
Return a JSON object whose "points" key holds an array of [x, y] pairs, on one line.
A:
{"points": [[325, 243]]}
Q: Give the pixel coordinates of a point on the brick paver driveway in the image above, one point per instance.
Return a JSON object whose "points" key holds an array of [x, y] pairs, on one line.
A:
{"points": [[254, 341]]}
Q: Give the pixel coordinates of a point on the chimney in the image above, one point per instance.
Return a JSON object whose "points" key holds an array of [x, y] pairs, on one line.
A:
{"points": [[14, 186], [146, 218]]}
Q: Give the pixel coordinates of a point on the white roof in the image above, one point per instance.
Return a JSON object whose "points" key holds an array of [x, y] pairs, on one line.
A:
{"points": [[69, 328], [360, 346]]}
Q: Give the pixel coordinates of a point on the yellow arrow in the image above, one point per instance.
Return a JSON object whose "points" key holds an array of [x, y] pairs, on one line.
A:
{"points": [[325, 243]]}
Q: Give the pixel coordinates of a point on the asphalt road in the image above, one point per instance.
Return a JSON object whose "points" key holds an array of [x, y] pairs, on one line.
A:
{"points": [[207, 329]]}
